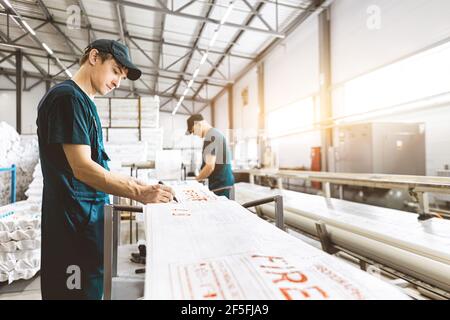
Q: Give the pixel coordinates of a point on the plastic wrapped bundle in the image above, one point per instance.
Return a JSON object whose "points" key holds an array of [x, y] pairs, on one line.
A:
{"points": [[21, 151], [20, 240], [19, 265], [127, 152]]}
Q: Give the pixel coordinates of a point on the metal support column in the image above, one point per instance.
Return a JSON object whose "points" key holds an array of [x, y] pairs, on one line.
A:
{"points": [[108, 252], [324, 237], [19, 76], [325, 85], [230, 111], [326, 188], [213, 112], [262, 111]]}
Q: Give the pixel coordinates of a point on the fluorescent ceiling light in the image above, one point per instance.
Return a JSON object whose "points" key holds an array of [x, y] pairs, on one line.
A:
{"points": [[185, 91], [227, 13], [205, 55], [176, 108], [8, 4], [190, 83], [46, 47], [196, 73], [28, 28], [214, 38], [68, 73]]}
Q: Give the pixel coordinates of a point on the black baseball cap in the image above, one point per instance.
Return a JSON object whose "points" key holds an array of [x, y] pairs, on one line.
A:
{"points": [[191, 121], [120, 52]]}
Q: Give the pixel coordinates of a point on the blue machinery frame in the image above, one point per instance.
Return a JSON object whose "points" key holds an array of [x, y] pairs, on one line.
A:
{"points": [[13, 181]]}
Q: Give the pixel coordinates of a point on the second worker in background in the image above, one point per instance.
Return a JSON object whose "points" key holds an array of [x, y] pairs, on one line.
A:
{"points": [[216, 157]]}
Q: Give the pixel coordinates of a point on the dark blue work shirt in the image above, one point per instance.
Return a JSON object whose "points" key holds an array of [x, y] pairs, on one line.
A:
{"points": [[215, 144], [72, 212]]}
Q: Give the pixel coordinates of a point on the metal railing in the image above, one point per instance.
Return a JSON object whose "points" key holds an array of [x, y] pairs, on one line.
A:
{"points": [[111, 243], [418, 187], [231, 188], [279, 214]]}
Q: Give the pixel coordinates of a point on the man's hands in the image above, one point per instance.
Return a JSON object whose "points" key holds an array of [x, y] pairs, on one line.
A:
{"points": [[94, 175], [155, 194]]}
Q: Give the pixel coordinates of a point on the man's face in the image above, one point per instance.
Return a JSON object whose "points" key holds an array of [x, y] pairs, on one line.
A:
{"points": [[107, 75], [197, 129]]}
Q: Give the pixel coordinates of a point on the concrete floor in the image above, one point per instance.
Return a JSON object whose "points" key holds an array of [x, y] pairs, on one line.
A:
{"points": [[22, 289]]}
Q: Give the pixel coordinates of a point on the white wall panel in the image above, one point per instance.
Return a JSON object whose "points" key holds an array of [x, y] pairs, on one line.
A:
{"points": [[360, 42], [221, 113], [174, 129], [245, 116], [295, 151], [292, 70], [30, 101]]}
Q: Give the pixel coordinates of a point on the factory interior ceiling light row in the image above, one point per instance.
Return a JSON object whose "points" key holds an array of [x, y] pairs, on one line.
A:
{"points": [[168, 39]]}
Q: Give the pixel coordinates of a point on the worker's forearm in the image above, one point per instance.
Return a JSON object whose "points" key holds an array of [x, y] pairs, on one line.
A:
{"points": [[98, 178], [204, 173]]}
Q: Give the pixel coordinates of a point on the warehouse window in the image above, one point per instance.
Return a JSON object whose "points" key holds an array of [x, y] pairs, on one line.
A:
{"points": [[421, 76]]}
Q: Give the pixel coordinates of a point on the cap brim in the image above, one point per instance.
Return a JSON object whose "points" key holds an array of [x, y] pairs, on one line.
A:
{"points": [[133, 72]]}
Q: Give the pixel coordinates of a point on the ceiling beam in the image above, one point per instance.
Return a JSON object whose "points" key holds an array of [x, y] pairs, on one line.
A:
{"points": [[257, 8], [194, 45], [89, 24], [171, 75], [198, 18], [121, 19], [36, 75], [314, 6], [166, 43], [160, 48]]}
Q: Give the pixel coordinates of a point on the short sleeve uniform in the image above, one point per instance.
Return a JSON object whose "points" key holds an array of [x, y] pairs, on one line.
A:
{"points": [[72, 212], [222, 176]]}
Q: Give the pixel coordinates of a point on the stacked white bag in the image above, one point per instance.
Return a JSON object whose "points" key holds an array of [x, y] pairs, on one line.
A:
{"points": [[23, 151], [20, 234]]}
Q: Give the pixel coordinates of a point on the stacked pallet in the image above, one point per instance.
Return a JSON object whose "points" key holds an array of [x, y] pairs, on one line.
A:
{"points": [[130, 120]]}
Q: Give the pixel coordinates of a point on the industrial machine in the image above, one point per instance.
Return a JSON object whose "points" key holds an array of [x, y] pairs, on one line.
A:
{"points": [[389, 148]]}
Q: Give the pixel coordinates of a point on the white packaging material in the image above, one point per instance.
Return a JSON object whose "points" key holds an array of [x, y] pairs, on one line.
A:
{"points": [[168, 164], [103, 110], [13, 246], [20, 265], [20, 151], [20, 255], [192, 191], [17, 235], [154, 139], [22, 215], [126, 152], [220, 250], [150, 112], [119, 135]]}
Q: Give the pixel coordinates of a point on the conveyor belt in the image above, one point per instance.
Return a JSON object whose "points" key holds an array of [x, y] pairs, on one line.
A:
{"points": [[395, 238]]}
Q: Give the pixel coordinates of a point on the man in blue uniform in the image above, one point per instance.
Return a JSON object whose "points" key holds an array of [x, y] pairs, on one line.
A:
{"points": [[76, 174], [216, 164]]}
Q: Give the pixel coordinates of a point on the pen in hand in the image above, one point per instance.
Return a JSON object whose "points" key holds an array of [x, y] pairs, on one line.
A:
{"points": [[174, 198]]}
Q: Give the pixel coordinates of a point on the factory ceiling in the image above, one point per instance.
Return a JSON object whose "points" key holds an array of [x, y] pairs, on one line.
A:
{"points": [[189, 49]]}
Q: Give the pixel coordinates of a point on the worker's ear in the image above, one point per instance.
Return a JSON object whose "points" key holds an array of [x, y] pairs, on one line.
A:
{"points": [[93, 57]]}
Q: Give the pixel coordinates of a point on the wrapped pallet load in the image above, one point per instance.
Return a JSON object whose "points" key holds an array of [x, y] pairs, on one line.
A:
{"points": [[20, 234]]}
